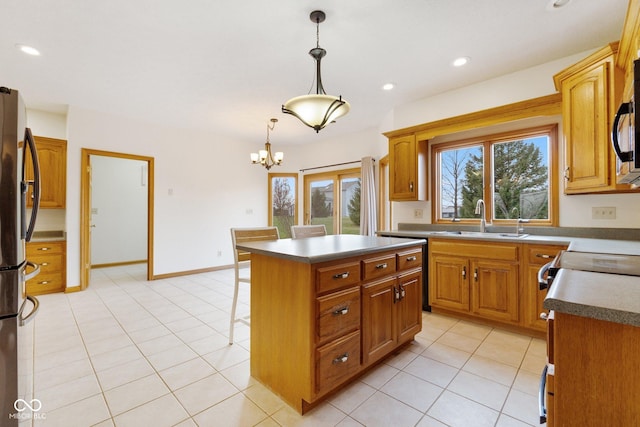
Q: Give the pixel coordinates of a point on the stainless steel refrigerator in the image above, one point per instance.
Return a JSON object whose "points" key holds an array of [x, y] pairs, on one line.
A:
{"points": [[17, 309]]}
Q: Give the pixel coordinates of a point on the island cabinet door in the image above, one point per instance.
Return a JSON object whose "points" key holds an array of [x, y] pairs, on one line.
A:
{"points": [[409, 306], [379, 327]]}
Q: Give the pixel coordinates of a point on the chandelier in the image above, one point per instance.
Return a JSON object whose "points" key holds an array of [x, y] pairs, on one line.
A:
{"points": [[265, 157], [319, 109]]}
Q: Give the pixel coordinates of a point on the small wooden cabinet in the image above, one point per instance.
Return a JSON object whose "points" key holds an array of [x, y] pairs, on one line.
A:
{"points": [[52, 158], [51, 257], [590, 91], [314, 327], [596, 381], [479, 278], [389, 314], [535, 257], [407, 169]]}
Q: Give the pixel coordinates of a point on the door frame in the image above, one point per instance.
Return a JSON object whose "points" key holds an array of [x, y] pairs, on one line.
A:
{"points": [[85, 210]]}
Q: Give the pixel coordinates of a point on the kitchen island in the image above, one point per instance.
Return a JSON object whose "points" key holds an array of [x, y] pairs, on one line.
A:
{"points": [[326, 309]]}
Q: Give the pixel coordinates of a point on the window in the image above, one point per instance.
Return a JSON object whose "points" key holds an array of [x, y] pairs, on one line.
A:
{"points": [[283, 202], [333, 199], [511, 172]]}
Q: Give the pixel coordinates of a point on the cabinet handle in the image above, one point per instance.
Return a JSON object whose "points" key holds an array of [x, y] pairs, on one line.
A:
{"points": [[44, 282], [341, 311], [380, 266], [542, 282], [44, 264], [411, 186], [341, 359], [411, 258], [396, 295], [341, 275], [44, 249], [475, 274], [544, 316], [464, 273], [403, 293], [567, 176], [544, 256], [542, 407]]}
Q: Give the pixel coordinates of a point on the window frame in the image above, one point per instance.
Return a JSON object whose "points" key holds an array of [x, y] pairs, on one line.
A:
{"points": [[487, 142], [336, 176], [271, 177]]}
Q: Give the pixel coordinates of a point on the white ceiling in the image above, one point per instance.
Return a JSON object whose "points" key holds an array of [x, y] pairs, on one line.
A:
{"points": [[228, 66]]}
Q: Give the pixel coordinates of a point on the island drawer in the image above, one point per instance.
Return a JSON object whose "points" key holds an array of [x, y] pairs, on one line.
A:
{"points": [[379, 266], [409, 259], [338, 313], [337, 361], [337, 276]]}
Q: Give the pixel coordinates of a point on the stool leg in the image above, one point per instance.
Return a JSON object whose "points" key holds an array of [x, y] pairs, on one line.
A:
{"points": [[233, 312]]}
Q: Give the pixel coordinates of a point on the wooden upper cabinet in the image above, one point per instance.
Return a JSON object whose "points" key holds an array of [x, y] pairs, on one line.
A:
{"points": [[407, 168], [52, 158], [590, 91]]}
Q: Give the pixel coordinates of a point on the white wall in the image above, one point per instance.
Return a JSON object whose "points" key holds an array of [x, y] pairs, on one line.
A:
{"points": [[119, 189], [213, 187]]}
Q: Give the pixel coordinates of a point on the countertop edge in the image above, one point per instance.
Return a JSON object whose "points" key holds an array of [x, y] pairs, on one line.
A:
{"points": [[329, 256]]}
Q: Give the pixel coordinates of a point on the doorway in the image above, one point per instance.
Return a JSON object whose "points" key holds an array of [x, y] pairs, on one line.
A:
{"points": [[86, 209]]}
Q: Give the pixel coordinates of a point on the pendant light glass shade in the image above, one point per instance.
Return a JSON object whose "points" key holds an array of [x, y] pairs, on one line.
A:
{"points": [[316, 111], [319, 109]]}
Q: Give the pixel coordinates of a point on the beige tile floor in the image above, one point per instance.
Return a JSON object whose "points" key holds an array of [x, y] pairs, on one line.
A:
{"points": [[128, 352]]}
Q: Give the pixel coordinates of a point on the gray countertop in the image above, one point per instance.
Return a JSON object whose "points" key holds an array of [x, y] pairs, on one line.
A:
{"points": [[611, 297], [48, 236], [326, 248]]}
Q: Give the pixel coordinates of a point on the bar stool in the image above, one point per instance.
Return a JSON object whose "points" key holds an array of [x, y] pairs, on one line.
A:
{"points": [[241, 260], [300, 231]]}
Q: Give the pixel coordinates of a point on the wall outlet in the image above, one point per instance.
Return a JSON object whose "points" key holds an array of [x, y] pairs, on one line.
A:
{"points": [[249, 211], [417, 213], [219, 253], [603, 212]]}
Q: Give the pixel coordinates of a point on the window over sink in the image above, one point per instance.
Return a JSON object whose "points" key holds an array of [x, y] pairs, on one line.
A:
{"points": [[512, 172]]}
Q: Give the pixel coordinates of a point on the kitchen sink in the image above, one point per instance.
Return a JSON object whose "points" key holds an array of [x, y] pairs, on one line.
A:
{"points": [[480, 234], [513, 235]]}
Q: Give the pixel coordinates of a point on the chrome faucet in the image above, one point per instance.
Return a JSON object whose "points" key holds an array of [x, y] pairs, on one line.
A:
{"points": [[519, 221], [480, 211]]}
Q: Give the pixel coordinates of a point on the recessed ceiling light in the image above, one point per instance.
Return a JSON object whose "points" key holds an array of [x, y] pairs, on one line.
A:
{"points": [[388, 86], [28, 49], [459, 62]]}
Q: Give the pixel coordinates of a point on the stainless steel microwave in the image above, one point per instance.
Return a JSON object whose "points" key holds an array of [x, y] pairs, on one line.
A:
{"points": [[625, 136]]}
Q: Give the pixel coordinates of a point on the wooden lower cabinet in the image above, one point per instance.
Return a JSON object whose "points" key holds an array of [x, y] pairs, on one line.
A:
{"points": [[596, 378], [314, 327], [494, 289], [51, 257], [389, 315], [478, 278]]}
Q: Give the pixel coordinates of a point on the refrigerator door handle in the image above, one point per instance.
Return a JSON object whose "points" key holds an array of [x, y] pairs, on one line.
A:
{"points": [[36, 184], [34, 273], [36, 305]]}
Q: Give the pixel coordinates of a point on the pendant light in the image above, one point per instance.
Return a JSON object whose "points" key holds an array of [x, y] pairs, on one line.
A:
{"points": [[318, 109], [265, 157]]}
